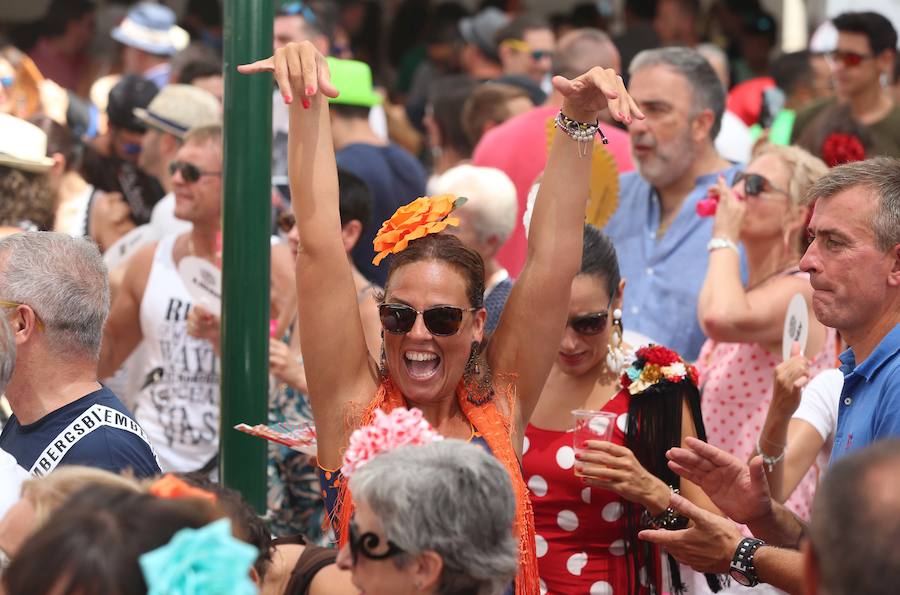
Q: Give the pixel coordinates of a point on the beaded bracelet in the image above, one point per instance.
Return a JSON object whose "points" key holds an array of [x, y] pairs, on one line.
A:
{"points": [[582, 132], [668, 519]]}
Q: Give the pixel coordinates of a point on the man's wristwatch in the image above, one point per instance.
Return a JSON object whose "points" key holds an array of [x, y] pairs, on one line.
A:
{"points": [[742, 568]]}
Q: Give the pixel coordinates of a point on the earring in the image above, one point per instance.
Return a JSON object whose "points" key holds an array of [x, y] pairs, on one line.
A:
{"points": [[382, 365], [479, 386], [615, 356]]}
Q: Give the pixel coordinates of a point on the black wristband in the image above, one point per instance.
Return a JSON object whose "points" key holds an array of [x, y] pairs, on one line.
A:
{"points": [[743, 569]]}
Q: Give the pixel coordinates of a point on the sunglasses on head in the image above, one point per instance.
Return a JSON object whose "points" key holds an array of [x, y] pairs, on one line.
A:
{"points": [[525, 47], [190, 173], [367, 543], [286, 221], [846, 57], [589, 324], [755, 184], [441, 321]]}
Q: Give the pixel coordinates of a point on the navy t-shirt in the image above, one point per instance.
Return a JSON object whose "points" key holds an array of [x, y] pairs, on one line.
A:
{"points": [[96, 431], [394, 178]]}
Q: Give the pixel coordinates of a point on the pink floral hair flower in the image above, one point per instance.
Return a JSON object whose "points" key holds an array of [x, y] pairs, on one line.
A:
{"points": [[387, 431]]}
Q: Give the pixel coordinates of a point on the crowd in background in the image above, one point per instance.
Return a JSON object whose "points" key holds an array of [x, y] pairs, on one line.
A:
{"points": [[739, 192]]}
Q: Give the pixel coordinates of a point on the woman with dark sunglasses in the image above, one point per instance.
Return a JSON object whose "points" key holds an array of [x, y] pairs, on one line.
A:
{"points": [[582, 531], [765, 213], [433, 358]]}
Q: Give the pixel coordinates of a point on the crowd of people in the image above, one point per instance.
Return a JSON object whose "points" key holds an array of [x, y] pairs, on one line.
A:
{"points": [[484, 220]]}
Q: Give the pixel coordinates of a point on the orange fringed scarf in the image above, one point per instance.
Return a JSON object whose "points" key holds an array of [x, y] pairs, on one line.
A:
{"points": [[496, 429]]}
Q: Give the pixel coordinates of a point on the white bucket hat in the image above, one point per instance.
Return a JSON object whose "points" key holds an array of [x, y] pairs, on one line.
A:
{"points": [[151, 27], [178, 108], [23, 145]]}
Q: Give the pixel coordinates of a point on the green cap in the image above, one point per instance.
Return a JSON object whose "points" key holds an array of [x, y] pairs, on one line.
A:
{"points": [[354, 81]]}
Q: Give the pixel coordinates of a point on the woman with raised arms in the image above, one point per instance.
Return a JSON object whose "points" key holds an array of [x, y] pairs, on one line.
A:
{"points": [[432, 310]]}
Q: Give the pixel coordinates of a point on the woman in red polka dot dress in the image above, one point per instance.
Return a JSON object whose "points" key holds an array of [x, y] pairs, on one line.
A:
{"points": [[764, 212], [586, 536]]}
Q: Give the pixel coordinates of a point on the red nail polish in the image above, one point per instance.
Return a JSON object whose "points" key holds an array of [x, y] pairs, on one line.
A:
{"points": [[310, 90], [305, 102], [288, 99]]}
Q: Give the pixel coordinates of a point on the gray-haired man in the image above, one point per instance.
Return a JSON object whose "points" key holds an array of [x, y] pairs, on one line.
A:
{"points": [[54, 293]]}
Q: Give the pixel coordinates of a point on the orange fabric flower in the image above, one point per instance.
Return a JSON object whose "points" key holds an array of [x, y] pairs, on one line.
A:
{"points": [[421, 217], [170, 487]]}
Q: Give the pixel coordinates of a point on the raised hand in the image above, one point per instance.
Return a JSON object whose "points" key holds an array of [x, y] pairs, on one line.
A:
{"points": [[300, 71], [740, 491], [706, 546], [730, 212], [790, 377], [613, 467], [593, 91]]}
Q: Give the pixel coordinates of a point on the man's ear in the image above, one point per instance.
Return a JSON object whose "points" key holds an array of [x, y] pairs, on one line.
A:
{"points": [[703, 123], [350, 233]]}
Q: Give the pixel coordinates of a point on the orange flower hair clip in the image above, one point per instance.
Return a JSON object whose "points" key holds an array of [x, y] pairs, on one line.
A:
{"points": [[170, 487], [421, 217]]}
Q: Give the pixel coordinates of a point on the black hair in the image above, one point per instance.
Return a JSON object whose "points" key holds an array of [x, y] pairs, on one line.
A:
{"points": [[357, 112], [198, 69], [245, 523], [62, 12], [131, 92], [792, 70], [654, 426], [355, 199], [642, 9], [880, 32], [447, 97], [598, 258]]}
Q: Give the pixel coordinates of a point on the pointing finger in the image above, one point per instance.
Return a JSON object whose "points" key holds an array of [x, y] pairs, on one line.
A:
{"points": [[267, 65]]}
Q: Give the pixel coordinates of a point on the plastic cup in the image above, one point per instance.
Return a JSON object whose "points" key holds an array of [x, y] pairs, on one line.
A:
{"points": [[591, 425]]}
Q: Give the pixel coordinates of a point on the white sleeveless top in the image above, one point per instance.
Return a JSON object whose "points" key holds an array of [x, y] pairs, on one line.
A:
{"points": [[177, 400]]}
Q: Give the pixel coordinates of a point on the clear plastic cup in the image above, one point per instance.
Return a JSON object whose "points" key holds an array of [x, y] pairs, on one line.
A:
{"points": [[591, 425]]}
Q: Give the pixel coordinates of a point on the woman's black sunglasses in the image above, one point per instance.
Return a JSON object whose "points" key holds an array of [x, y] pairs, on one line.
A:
{"points": [[755, 184], [190, 172], [589, 324], [367, 543], [441, 321]]}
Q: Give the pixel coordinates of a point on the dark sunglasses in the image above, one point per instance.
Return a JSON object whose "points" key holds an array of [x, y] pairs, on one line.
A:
{"points": [[286, 222], [190, 172], [589, 324], [366, 544], [441, 321], [847, 58], [755, 184]]}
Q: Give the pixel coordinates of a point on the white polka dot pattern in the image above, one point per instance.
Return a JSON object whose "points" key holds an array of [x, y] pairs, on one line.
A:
{"points": [[538, 486], [617, 548], [576, 563], [567, 520], [601, 588], [540, 546], [565, 457], [612, 512]]}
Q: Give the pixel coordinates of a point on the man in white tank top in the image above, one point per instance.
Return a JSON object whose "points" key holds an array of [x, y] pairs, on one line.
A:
{"points": [[178, 399]]}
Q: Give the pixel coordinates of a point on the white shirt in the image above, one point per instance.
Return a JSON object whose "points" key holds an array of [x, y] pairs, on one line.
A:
{"points": [[819, 402], [11, 478]]}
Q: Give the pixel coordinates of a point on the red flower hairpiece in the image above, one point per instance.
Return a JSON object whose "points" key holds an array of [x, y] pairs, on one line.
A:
{"points": [[654, 364], [170, 487], [839, 148]]}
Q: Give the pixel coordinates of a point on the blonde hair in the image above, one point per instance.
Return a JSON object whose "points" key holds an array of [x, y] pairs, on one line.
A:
{"points": [[48, 493], [804, 168]]}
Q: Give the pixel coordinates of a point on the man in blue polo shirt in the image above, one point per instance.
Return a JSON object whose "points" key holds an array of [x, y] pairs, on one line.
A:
{"points": [[54, 292], [854, 268]]}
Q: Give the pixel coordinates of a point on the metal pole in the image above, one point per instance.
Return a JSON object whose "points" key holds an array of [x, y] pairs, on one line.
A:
{"points": [[246, 231]]}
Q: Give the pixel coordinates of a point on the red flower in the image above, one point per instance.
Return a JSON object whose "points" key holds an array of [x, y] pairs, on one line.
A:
{"points": [[707, 207], [657, 354], [840, 148]]}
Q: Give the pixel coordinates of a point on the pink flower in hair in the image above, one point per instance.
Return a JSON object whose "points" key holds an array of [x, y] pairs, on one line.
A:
{"points": [[387, 431]]}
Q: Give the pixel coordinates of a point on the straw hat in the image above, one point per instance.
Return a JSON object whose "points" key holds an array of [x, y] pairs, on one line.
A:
{"points": [[178, 108], [23, 145], [151, 27], [354, 81]]}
